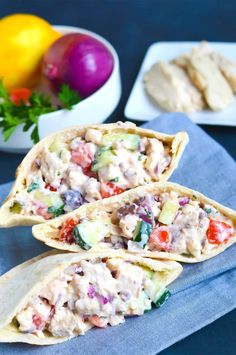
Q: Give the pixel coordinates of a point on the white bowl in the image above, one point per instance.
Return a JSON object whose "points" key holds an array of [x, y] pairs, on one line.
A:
{"points": [[94, 109]]}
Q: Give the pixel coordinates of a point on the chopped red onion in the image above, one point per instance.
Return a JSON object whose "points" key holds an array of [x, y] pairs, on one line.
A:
{"points": [[125, 296], [37, 163], [79, 271], [73, 199], [183, 201], [104, 299], [156, 169], [147, 218], [145, 212], [148, 200], [202, 214], [91, 291], [128, 209]]}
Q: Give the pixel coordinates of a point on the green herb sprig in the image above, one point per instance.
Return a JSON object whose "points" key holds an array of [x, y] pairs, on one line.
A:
{"points": [[68, 97], [27, 114]]}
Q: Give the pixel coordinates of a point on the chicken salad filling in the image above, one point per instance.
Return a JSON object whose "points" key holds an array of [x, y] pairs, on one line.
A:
{"points": [[167, 222], [66, 175], [98, 292]]}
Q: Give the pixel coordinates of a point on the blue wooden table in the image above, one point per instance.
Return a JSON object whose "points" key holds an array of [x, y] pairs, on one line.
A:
{"points": [[131, 26]]}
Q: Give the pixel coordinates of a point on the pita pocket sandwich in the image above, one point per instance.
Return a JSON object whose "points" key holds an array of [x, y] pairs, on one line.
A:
{"points": [[87, 163], [159, 220], [50, 299]]}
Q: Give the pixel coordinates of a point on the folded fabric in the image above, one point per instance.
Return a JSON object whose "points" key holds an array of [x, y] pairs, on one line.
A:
{"points": [[202, 293]]}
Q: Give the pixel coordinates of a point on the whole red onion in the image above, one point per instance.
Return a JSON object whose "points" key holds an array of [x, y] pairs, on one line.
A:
{"points": [[78, 60]]}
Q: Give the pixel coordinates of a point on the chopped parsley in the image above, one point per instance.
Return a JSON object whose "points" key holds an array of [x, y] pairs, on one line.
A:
{"points": [[68, 97], [27, 114]]}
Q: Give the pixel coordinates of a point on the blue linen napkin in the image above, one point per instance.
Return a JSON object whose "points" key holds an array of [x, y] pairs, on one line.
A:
{"points": [[204, 291]]}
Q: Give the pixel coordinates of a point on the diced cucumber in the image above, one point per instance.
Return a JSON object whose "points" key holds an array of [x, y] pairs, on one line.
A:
{"points": [[56, 146], [89, 233], [60, 148], [51, 199], [156, 291], [56, 211], [103, 158], [142, 233], [168, 212], [131, 139], [56, 200], [162, 297], [40, 196], [148, 272], [16, 207], [144, 302]]}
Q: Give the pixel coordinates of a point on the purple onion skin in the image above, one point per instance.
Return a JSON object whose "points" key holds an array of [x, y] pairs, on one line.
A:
{"points": [[80, 61], [73, 199]]}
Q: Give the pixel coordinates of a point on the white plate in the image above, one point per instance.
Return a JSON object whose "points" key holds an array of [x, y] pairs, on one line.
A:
{"points": [[139, 105]]}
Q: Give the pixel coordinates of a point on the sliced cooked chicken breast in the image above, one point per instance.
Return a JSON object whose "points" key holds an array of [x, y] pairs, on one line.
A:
{"points": [[227, 68], [170, 87], [206, 76]]}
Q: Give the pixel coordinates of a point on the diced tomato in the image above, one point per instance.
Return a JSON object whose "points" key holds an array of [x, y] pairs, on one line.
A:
{"points": [[219, 232], [82, 155], [160, 238], [50, 187], [38, 321], [65, 234], [109, 189], [87, 171], [19, 95], [98, 321]]}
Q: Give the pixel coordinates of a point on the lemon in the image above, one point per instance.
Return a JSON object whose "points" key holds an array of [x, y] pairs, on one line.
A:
{"points": [[24, 40]]}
